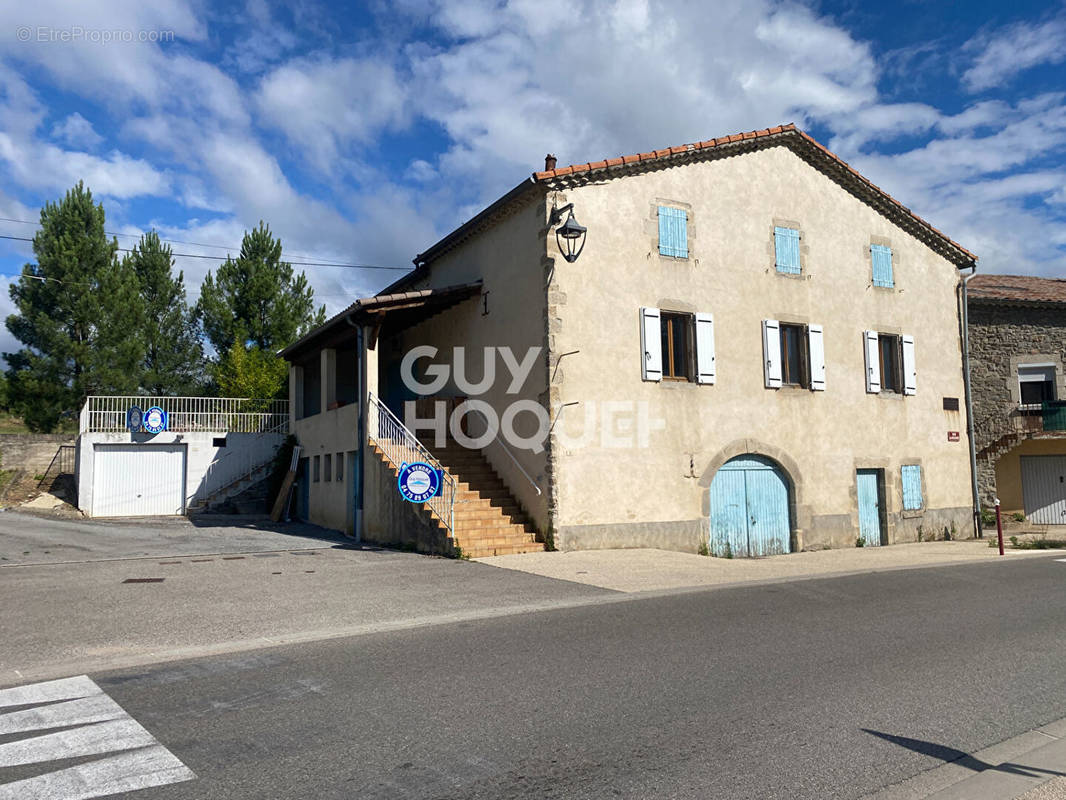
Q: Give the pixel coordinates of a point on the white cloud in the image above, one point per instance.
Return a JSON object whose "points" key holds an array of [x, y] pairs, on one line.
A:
{"points": [[76, 131], [623, 77], [1003, 53], [324, 106]]}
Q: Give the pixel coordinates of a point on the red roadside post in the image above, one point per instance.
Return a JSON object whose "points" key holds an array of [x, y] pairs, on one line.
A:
{"points": [[999, 527]]}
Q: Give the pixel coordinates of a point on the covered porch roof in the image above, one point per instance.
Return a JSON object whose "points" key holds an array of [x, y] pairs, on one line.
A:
{"points": [[398, 310]]}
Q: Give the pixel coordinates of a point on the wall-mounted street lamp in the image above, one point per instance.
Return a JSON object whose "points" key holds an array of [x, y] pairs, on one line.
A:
{"points": [[570, 235]]}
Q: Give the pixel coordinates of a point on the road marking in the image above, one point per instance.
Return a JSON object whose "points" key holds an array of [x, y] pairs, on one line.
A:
{"points": [[95, 726], [1060, 559]]}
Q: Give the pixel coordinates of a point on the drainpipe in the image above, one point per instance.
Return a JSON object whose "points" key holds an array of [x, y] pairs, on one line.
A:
{"points": [[360, 430], [969, 401]]}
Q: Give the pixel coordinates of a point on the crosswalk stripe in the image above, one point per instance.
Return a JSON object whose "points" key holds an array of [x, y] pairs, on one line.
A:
{"points": [[69, 712], [49, 691], [88, 740], [127, 772], [95, 725]]}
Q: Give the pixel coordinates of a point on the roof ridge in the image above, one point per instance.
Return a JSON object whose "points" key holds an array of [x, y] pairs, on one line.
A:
{"points": [[788, 129]]}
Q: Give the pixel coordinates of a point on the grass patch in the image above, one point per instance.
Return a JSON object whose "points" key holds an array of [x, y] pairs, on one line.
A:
{"points": [[1039, 544]]}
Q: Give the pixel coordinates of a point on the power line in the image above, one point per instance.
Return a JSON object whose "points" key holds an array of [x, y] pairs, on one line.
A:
{"points": [[170, 241], [225, 258]]}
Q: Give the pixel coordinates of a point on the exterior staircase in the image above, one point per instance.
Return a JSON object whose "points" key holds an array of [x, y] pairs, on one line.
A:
{"points": [[488, 520], [237, 486]]}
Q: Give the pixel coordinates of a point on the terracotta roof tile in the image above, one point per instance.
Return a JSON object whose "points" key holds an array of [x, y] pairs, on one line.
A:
{"points": [[1017, 288], [614, 162]]}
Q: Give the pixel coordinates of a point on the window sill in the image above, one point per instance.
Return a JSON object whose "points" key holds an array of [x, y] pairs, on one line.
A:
{"points": [[913, 513], [883, 288], [796, 276]]}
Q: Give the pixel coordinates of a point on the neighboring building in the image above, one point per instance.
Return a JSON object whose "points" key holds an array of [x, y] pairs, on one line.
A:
{"points": [[1017, 350], [757, 351], [212, 449]]}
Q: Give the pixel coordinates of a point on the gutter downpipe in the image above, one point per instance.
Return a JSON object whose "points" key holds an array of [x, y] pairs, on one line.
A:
{"points": [[978, 533], [360, 429]]}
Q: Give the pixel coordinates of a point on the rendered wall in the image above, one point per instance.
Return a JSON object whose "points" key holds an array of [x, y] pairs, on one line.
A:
{"points": [[510, 258], [658, 495], [207, 467], [333, 432]]}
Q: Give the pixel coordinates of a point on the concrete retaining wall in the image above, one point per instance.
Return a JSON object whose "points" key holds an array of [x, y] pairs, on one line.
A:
{"points": [[31, 452]]}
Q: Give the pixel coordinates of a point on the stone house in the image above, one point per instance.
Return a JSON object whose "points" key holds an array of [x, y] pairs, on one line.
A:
{"points": [[756, 351], [1017, 327]]}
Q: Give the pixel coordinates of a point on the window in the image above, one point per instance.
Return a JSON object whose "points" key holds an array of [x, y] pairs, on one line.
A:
{"points": [[881, 257], [340, 466], [673, 232], [795, 364], [314, 469], [888, 359], [787, 250], [911, 475], [1037, 383], [794, 355], [328, 466], [677, 346], [890, 363]]}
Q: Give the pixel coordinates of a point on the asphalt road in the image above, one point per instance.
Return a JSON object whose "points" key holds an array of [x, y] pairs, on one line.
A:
{"points": [[827, 688]]}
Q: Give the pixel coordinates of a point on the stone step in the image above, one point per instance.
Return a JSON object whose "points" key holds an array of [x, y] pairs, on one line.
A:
{"points": [[502, 550]]}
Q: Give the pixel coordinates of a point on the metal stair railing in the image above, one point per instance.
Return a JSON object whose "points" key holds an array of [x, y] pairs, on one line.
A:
{"points": [[62, 463], [400, 446]]}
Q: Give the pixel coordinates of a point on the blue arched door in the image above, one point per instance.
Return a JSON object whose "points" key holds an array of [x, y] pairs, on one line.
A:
{"points": [[749, 508]]}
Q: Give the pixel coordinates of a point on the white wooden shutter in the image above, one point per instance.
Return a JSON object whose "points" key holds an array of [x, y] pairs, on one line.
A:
{"points": [[910, 371], [705, 364], [816, 348], [771, 342], [873, 364], [651, 345]]}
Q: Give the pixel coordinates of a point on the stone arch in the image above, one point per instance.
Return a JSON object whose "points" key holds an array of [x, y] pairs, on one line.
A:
{"points": [[789, 467]]}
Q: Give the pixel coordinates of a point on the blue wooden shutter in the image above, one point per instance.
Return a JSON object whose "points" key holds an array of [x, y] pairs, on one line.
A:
{"points": [[673, 232], [787, 248], [882, 261], [912, 487]]}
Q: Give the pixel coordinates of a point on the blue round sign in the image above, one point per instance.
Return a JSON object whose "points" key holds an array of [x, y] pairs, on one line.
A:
{"points": [[134, 418], [155, 420], [418, 482]]}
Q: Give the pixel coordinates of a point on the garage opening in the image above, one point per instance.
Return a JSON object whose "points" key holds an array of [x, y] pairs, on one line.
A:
{"points": [[138, 480], [750, 508]]}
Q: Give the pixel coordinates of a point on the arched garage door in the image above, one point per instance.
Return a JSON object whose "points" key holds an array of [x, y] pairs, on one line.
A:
{"points": [[749, 508]]}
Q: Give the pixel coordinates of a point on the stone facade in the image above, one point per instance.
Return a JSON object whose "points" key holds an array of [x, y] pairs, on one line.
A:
{"points": [[1003, 336]]}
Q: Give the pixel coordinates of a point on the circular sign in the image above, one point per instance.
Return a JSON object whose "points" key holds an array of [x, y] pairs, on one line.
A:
{"points": [[418, 482], [155, 420], [134, 418]]}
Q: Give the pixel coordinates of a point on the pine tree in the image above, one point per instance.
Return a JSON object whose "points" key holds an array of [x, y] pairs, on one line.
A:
{"points": [[173, 353], [256, 299], [79, 315]]}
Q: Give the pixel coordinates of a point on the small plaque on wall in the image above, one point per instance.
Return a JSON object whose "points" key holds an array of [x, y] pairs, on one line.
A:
{"points": [[951, 404], [953, 436]]}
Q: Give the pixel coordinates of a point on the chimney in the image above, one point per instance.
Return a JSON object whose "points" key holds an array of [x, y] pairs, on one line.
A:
{"points": [[549, 162]]}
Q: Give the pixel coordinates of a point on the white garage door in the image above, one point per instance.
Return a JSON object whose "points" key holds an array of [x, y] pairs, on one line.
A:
{"points": [[136, 480], [1044, 489]]}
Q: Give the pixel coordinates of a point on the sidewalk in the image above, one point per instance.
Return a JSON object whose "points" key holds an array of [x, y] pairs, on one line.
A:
{"points": [[1031, 766], [642, 570]]}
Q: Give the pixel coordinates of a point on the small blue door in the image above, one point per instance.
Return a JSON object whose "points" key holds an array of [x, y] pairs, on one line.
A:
{"points": [[749, 508], [868, 483]]}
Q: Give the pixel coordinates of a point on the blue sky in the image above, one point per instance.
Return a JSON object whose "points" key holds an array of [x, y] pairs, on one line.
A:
{"points": [[363, 132]]}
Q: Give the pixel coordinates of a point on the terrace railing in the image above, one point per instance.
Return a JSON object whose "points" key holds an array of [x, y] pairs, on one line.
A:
{"points": [[107, 414]]}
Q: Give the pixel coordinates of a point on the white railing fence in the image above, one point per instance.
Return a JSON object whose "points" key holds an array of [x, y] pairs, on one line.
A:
{"points": [[107, 414], [401, 446]]}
